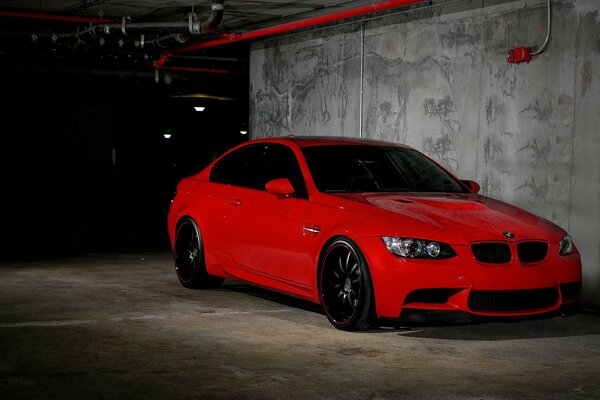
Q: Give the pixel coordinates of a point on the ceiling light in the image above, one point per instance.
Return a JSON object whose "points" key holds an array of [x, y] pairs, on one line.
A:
{"points": [[244, 132], [199, 108], [167, 133]]}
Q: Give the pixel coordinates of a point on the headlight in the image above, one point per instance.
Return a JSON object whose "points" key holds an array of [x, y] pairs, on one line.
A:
{"points": [[566, 246], [417, 248]]}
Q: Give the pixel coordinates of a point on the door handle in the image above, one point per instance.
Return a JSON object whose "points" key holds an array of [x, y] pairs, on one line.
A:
{"points": [[311, 229], [235, 202]]}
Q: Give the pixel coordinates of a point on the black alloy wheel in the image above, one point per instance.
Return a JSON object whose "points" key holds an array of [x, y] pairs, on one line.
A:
{"points": [[189, 257], [345, 286]]}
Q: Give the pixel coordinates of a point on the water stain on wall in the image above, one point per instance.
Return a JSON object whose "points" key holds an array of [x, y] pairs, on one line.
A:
{"points": [[505, 78], [442, 107], [491, 186], [493, 108], [440, 148], [492, 148], [541, 108], [565, 109], [539, 151], [388, 116], [464, 34], [272, 109], [538, 190], [586, 77]]}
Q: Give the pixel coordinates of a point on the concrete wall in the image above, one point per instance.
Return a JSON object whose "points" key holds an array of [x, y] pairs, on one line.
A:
{"points": [[437, 79]]}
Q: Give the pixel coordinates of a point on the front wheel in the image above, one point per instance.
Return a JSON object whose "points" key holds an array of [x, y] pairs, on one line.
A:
{"points": [[345, 286], [189, 257]]}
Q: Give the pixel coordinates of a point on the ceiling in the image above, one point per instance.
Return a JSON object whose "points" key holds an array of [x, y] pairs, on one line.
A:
{"points": [[165, 44]]}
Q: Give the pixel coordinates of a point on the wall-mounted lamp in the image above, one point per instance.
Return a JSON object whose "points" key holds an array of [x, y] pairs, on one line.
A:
{"points": [[243, 132], [197, 108], [167, 134]]}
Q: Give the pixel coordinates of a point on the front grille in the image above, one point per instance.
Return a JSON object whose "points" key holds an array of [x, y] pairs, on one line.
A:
{"points": [[512, 300], [570, 291], [493, 253], [530, 252]]}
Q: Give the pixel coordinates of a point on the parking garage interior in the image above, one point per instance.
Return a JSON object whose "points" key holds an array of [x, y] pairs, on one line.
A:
{"points": [[94, 145]]}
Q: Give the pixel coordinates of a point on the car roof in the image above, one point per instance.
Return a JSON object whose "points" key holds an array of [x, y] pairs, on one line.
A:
{"points": [[309, 141]]}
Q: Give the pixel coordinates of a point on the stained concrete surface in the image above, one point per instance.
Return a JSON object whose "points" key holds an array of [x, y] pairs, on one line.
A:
{"points": [[436, 78], [120, 326]]}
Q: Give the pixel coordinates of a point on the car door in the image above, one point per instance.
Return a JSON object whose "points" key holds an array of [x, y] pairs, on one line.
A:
{"points": [[227, 180], [265, 230]]}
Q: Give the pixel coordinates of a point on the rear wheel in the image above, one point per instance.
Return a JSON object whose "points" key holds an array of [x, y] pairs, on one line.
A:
{"points": [[189, 257], [345, 286]]}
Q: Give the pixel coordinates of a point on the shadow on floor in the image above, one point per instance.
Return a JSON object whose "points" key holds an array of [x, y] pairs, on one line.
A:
{"points": [[579, 323], [273, 296]]}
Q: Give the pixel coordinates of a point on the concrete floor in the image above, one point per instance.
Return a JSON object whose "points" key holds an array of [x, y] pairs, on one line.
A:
{"points": [[120, 326]]}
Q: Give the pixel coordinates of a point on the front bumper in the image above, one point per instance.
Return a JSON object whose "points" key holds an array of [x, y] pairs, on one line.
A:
{"points": [[464, 285]]}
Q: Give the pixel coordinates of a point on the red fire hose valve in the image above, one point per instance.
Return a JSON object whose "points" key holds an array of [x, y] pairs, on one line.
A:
{"points": [[162, 60], [519, 55]]}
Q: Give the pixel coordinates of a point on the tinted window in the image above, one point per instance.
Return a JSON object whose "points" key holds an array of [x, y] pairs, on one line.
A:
{"points": [[234, 168], [254, 166], [376, 169]]}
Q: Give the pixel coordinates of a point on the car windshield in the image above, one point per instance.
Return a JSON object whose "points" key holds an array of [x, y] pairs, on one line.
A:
{"points": [[358, 168]]}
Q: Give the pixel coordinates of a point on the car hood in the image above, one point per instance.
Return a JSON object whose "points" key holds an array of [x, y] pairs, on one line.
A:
{"points": [[454, 218]]}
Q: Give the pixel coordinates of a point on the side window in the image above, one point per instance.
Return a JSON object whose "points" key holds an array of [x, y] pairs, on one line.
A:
{"points": [[235, 168], [254, 166]]}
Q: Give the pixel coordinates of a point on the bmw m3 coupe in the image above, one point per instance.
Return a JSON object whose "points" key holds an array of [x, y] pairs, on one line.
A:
{"points": [[372, 231]]}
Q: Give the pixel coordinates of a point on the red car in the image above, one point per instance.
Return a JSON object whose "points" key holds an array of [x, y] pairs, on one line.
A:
{"points": [[371, 230]]}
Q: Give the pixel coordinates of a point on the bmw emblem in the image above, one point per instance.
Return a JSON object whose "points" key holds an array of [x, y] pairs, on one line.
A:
{"points": [[509, 235]]}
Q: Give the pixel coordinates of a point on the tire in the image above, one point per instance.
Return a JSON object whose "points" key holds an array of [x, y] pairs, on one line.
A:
{"points": [[189, 257], [345, 287]]}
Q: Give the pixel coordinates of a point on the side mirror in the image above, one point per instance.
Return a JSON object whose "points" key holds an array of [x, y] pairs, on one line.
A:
{"points": [[280, 187], [471, 185]]}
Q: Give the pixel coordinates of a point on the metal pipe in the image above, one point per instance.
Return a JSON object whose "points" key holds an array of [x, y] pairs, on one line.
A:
{"points": [[305, 23], [125, 27], [362, 73], [159, 40], [105, 25], [216, 16], [209, 24], [542, 48]]}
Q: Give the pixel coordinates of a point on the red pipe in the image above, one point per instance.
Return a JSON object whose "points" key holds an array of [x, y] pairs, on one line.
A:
{"points": [[51, 17], [304, 23], [201, 70]]}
